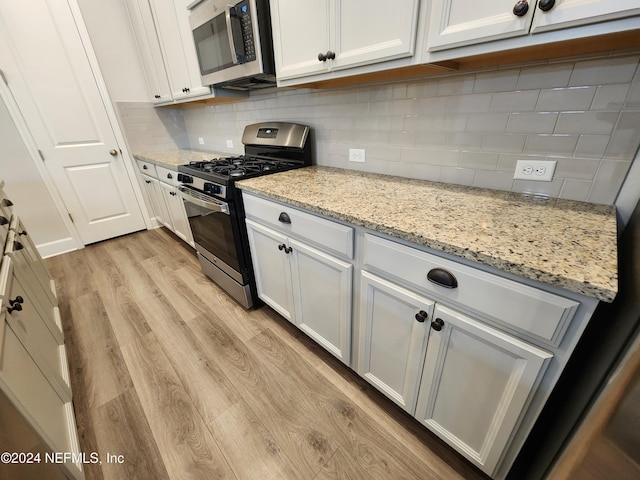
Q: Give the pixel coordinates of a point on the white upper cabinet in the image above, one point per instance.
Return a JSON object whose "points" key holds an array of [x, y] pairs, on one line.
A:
{"points": [[168, 55], [457, 23], [322, 36], [571, 13]]}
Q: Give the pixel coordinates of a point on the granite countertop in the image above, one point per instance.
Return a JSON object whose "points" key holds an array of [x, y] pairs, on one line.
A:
{"points": [[174, 158], [568, 244]]}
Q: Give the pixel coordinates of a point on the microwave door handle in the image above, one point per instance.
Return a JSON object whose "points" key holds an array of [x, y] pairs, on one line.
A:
{"points": [[232, 43]]}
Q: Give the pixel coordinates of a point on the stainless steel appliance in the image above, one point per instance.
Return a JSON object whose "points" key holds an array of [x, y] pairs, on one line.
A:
{"points": [[233, 43], [214, 205]]}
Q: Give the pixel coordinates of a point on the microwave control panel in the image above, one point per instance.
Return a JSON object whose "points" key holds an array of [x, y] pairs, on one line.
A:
{"points": [[243, 13]]}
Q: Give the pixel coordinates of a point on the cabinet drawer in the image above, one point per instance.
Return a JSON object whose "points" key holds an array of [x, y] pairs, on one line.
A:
{"points": [[147, 168], [167, 175], [534, 312], [330, 235]]}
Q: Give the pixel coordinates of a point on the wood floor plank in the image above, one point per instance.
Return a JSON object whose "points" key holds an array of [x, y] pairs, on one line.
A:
{"points": [[184, 442], [122, 429], [251, 449], [105, 375], [282, 408]]}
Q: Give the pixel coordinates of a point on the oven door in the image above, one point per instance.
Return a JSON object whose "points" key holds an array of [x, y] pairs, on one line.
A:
{"points": [[211, 224]]}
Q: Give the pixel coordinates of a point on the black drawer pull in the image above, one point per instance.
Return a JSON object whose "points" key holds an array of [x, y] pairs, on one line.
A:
{"points": [[442, 277], [284, 217]]}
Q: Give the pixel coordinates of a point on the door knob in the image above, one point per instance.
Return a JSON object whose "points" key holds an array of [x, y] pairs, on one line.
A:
{"points": [[113, 152]]}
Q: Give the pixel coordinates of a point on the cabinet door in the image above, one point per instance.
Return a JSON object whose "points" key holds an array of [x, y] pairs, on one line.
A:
{"points": [[392, 341], [34, 260], [322, 290], [149, 49], [476, 383], [455, 23], [370, 31], [178, 49], [271, 268], [175, 207], [160, 191], [31, 329], [300, 33], [570, 13]]}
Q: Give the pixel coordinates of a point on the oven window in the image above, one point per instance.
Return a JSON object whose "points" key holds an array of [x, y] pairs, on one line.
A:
{"points": [[213, 232], [212, 45]]}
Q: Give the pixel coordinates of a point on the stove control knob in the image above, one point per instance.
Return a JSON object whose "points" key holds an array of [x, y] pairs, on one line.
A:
{"points": [[184, 178]]}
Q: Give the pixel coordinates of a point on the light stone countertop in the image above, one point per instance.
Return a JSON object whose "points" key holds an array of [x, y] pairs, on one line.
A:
{"points": [[174, 158], [568, 244]]}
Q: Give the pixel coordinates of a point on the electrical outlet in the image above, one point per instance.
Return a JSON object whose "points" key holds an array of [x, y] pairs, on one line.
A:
{"points": [[536, 170], [229, 143], [201, 140], [357, 155]]}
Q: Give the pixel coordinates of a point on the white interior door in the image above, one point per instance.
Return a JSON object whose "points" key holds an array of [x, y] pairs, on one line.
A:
{"points": [[49, 74]]}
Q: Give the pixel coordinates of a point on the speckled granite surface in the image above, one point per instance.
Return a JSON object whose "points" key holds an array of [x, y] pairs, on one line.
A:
{"points": [[567, 244], [174, 158]]}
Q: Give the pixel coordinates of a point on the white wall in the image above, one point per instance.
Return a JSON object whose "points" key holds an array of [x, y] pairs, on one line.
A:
{"points": [[114, 45]]}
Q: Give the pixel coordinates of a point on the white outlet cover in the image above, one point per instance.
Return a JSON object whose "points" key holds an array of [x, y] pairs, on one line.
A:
{"points": [[357, 155], [535, 170], [201, 140], [229, 143]]}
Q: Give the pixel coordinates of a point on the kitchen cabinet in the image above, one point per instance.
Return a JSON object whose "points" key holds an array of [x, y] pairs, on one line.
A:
{"points": [[458, 23], [468, 377], [165, 204], [299, 273], [168, 55], [325, 36], [475, 385], [34, 374]]}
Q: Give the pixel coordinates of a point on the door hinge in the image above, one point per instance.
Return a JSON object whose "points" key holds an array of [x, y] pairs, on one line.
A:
{"points": [[41, 155], [4, 79], [71, 218]]}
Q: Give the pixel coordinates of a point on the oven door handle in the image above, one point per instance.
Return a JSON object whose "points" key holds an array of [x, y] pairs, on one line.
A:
{"points": [[209, 204]]}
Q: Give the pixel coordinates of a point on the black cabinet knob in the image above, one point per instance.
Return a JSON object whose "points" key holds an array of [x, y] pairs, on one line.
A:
{"points": [[7, 203], [157, 96], [16, 308], [282, 246], [421, 316], [521, 8], [169, 176], [437, 324], [331, 55], [322, 57], [546, 5], [284, 217], [288, 250], [17, 246], [144, 167], [17, 300], [3, 220]]}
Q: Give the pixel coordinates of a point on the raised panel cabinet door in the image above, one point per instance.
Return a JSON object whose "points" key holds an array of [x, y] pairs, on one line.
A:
{"points": [[160, 191], [370, 31], [149, 49], [393, 332], [454, 23], [271, 267], [50, 75], [301, 31], [322, 287], [571, 13], [476, 383], [174, 32], [175, 206]]}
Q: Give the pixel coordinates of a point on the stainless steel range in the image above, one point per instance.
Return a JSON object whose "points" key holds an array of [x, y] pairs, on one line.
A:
{"points": [[214, 205]]}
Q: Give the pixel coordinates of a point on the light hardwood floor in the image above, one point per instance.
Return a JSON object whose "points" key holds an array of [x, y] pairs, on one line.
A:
{"points": [[171, 373]]}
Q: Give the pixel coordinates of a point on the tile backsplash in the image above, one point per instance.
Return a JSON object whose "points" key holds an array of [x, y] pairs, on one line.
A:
{"points": [[467, 128]]}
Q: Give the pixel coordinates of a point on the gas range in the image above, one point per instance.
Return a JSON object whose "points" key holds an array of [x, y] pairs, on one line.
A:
{"points": [[214, 206]]}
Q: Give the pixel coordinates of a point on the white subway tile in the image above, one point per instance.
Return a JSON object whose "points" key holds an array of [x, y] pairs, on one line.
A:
{"points": [[586, 122], [504, 142], [610, 97], [458, 175], [547, 76], [541, 122], [496, 81], [495, 180], [576, 168], [517, 101], [609, 173], [577, 190], [547, 144], [487, 122], [604, 71], [479, 160], [564, 99]]}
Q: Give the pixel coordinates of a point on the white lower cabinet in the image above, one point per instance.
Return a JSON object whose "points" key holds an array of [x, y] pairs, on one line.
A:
{"points": [[394, 327], [164, 203], [303, 282], [475, 385]]}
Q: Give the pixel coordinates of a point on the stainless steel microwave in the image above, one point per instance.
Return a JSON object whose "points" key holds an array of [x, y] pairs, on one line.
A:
{"points": [[233, 43]]}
